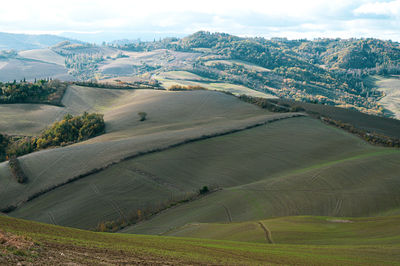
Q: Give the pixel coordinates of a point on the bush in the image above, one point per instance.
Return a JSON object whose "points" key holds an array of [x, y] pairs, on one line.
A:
{"points": [[204, 190], [297, 108], [142, 116]]}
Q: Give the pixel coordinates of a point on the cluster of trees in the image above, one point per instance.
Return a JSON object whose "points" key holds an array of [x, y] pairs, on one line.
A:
{"points": [[363, 54], [177, 87], [67, 131], [269, 104], [83, 66], [41, 91], [145, 84]]}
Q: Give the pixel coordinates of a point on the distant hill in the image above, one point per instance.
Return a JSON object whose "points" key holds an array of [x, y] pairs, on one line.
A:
{"points": [[328, 71], [14, 41]]}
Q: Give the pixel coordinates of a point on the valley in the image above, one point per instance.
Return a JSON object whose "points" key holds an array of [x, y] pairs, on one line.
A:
{"points": [[214, 149]]}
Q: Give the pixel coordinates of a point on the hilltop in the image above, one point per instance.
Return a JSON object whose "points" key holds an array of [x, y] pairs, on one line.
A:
{"points": [[13, 41]]}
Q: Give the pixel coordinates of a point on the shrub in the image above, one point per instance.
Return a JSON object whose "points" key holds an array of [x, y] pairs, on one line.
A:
{"points": [[297, 108], [204, 190], [142, 116]]}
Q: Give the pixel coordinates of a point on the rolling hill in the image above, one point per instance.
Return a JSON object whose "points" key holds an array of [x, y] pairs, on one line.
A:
{"points": [[168, 125], [36, 243], [337, 72], [15, 41], [222, 181], [261, 165], [300, 230]]}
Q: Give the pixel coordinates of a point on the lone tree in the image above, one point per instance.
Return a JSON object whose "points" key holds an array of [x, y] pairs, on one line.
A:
{"points": [[204, 190], [142, 116]]}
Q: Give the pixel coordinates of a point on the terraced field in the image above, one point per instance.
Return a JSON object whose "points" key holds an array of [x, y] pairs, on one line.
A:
{"points": [[30, 242]]}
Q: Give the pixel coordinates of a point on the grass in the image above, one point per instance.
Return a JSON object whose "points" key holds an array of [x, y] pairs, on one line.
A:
{"points": [[302, 230], [185, 78], [60, 244]]}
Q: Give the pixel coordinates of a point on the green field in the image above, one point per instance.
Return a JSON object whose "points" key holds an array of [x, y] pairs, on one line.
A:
{"points": [[301, 230], [48, 244], [185, 78]]}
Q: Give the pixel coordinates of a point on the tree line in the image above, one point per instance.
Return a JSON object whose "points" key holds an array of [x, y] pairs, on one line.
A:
{"points": [[40, 91]]}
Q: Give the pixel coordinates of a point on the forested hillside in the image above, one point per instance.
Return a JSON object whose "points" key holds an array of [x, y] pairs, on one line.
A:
{"points": [[331, 71]]}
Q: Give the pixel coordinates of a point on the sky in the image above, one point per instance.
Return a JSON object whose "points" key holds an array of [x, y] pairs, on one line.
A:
{"points": [[109, 20]]}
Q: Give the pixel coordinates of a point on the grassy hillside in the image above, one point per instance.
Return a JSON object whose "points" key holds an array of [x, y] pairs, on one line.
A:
{"points": [[301, 230], [238, 162], [346, 187], [173, 118], [370, 123], [31, 242], [31, 119], [44, 55], [20, 68]]}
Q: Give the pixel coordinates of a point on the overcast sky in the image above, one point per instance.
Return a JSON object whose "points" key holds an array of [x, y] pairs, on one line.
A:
{"points": [[116, 19]]}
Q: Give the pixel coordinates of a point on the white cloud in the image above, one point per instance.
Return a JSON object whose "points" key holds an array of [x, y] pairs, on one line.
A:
{"points": [[304, 19], [380, 8]]}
